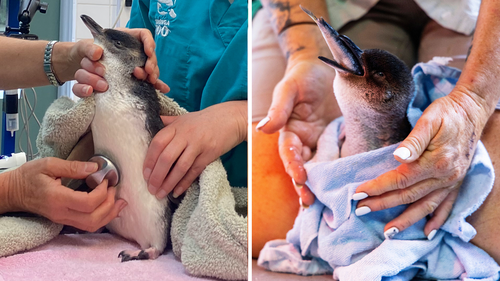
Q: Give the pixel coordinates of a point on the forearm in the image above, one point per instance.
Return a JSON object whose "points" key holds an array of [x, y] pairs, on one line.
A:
{"points": [[22, 63], [480, 75], [298, 35]]}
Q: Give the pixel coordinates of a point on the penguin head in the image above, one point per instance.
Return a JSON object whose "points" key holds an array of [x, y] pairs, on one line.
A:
{"points": [[385, 87], [366, 81], [122, 52]]}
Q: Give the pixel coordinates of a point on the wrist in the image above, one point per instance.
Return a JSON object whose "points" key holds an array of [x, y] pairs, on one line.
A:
{"points": [[63, 64], [478, 110], [242, 117], [303, 42], [9, 202]]}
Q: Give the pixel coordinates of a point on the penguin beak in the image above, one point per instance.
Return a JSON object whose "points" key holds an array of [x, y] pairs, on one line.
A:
{"points": [[95, 29], [346, 54]]}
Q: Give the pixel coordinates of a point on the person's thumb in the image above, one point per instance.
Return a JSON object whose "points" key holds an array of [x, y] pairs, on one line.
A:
{"points": [[284, 96], [417, 141], [167, 120], [59, 168]]}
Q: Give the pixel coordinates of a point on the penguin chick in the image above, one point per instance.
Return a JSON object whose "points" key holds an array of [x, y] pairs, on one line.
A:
{"points": [[373, 89], [127, 117]]}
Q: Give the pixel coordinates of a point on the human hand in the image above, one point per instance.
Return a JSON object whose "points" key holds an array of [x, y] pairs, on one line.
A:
{"points": [[89, 77], [36, 187], [303, 105], [435, 158], [180, 152]]}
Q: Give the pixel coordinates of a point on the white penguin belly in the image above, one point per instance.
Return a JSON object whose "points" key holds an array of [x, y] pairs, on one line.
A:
{"points": [[119, 132]]}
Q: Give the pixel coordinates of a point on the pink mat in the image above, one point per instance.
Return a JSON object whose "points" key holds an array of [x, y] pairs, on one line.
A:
{"points": [[89, 257]]}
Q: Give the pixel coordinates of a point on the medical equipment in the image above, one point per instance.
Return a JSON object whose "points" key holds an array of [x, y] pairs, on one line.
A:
{"points": [[15, 160], [107, 170], [25, 11]]}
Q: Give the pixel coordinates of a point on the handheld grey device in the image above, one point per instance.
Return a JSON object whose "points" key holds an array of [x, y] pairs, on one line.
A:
{"points": [[107, 170]]}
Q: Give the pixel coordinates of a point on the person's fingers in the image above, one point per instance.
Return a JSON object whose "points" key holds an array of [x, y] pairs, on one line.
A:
{"points": [[441, 213], [417, 141], [87, 49], [59, 168], [83, 201], [304, 193], [162, 86], [178, 171], [98, 83], [156, 147], [93, 67], [416, 212], [164, 163], [290, 150], [284, 96], [102, 215], [195, 171], [145, 36], [151, 68], [167, 120], [402, 177], [140, 73], [401, 196], [82, 90]]}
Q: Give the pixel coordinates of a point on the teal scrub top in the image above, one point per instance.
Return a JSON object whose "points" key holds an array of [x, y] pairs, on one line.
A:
{"points": [[201, 48]]}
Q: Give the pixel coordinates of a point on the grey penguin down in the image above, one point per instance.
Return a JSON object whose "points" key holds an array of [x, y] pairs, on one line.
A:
{"points": [[127, 117]]}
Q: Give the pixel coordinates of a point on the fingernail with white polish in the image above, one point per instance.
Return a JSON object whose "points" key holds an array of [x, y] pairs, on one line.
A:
{"points": [[299, 186], [302, 204], [262, 123], [389, 234], [362, 211], [359, 196], [431, 234], [403, 153]]}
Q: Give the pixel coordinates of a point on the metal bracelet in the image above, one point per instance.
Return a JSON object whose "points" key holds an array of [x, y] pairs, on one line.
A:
{"points": [[47, 64]]}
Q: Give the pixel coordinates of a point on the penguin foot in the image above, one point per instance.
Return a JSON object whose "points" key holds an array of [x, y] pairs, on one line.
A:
{"points": [[148, 254]]}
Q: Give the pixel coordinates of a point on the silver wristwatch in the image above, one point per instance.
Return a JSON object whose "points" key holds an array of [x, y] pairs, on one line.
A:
{"points": [[47, 64]]}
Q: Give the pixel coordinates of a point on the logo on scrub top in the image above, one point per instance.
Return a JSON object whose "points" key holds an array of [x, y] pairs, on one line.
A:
{"points": [[165, 16]]}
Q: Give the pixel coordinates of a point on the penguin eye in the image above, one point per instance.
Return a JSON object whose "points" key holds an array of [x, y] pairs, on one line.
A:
{"points": [[118, 44]]}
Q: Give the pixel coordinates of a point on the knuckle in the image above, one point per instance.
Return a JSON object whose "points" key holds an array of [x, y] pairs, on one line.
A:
{"points": [[165, 158], [402, 180], [74, 167], [408, 196], [196, 170], [414, 142], [183, 166], [444, 165], [429, 207], [456, 175], [382, 205]]}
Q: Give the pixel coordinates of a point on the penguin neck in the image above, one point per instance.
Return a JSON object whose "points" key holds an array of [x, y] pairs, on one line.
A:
{"points": [[365, 132]]}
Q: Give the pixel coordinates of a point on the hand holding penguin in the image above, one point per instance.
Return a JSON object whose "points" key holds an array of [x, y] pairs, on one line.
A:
{"points": [[435, 157], [180, 152], [303, 103], [36, 188], [90, 76]]}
